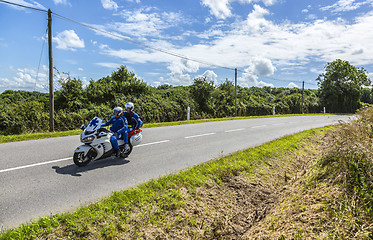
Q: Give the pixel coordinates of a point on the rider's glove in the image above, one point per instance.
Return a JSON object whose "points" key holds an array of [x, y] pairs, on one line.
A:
{"points": [[115, 134]]}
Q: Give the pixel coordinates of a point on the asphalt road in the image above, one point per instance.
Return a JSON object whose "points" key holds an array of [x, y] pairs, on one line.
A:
{"points": [[38, 177]]}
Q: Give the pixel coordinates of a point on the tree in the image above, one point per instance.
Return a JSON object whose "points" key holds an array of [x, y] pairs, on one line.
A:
{"points": [[367, 96], [341, 86], [120, 83], [201, 91], [223, 100], [72, 95]]}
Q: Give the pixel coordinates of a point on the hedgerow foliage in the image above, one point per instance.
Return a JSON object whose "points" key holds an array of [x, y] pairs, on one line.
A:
{"points": [[24, 112]]}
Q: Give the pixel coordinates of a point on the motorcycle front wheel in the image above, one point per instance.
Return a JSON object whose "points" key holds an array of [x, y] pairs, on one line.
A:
{"points": [[80, 160]]}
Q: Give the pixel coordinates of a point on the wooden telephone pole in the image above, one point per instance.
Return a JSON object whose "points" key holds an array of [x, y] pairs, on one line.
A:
{"points": [[302, 96], [235, 90], [51, 92]]}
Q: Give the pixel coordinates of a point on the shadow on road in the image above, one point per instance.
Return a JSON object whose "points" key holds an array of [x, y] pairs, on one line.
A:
{"points": [[76, 171]]}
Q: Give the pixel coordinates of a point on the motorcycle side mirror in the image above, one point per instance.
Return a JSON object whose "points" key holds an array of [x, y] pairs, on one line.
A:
{"points": [[82, 127]]}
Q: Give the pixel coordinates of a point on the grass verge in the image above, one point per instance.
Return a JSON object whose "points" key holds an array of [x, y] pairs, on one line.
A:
{"points": [[333, 199], [33, 136], [221, 199]]}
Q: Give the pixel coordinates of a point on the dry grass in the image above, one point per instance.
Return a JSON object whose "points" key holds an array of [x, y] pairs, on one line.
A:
{"points": [[333, 199], [238, 207]]}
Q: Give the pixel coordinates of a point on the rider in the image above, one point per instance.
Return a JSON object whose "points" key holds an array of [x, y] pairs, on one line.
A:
{"points": [[119, 128], [133, 118]]}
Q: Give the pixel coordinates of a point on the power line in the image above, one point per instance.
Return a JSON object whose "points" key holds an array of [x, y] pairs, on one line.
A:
{"points": [[144, 45], [41, 54], [295, 81], [20, 5], [284, 80], [163, 50], [147, 46]]}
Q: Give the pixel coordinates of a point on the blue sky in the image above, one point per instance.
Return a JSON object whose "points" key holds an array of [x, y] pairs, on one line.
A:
{"points": [[276, 43]]}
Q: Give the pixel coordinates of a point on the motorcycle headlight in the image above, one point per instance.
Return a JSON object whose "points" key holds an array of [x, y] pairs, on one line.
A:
{"points": [[88, 139]]}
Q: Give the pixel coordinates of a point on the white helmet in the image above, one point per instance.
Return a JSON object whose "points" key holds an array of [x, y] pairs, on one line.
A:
{"points": [[129, 105], [117, 111]]}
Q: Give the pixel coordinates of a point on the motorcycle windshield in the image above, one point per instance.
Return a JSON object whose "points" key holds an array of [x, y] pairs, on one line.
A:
{"points": [[94, 124]]}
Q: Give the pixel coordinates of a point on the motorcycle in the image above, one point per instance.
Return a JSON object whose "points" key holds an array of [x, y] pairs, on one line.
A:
{"points": [[97, 144]]}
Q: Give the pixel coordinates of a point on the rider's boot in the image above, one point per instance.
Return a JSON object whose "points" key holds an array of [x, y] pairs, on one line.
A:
{"points": [[126, 147], [117, 152]]}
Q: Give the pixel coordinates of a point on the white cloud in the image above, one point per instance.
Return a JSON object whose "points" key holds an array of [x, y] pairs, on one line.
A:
{"points": [[142, 24], [258, 67], [138, 55], [370, 76], [264, 84], [315, 70], [211, 76], [63, 2], [292, 85], [103, 46], [311, 17], [261, 66], [4, 82], [249, 79], [179, 79], [218, 8], [255, 21], [68, 40], [182, 65], [24, 3], [358, 51], [27, 79], [148, 22], [259, 44], [109, 4], [345, 5], [109, 65], [221, 9], [211, 34]]}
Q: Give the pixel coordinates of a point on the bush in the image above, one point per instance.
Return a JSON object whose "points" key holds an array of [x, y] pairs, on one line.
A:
{"points": [[349, 162], [21, 117]]}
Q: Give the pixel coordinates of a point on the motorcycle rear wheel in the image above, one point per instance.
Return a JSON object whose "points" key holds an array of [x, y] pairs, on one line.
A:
{"points": [[80, 160]]}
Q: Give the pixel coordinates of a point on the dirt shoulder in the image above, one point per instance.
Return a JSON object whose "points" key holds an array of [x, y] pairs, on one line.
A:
{"points": [[268, 203]]}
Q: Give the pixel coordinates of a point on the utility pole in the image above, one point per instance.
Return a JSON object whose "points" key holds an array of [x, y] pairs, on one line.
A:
{"points": [[235, 89], [302, 95], [51, 92]]}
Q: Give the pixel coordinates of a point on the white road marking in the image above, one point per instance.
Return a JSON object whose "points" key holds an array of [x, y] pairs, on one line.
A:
{"points": [[234, 130], [278, 124], [259, 126], [34, 165], [146, 144], [201, 135], [63, 159]]}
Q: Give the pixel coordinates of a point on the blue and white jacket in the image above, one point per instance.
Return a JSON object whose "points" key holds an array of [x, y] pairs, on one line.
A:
{"points": [[133, 119], [119, 124]]}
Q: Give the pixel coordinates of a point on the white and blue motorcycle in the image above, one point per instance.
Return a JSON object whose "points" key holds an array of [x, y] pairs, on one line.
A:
{"points": [[97, 144]]}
